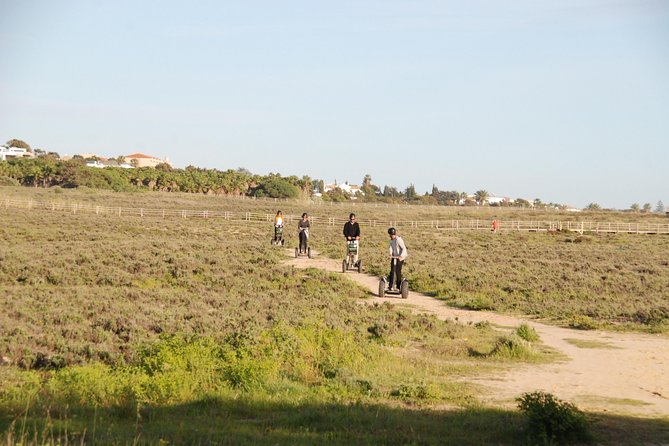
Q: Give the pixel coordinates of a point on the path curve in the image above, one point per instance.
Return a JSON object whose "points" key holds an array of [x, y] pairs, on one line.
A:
{"points": [[627, 375]]}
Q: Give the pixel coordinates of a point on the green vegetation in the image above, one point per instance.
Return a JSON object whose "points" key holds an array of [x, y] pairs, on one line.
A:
{"points": [[612, 281], [552, 421], [49, 171], [121, 319], [173, 331], [529, 334]]}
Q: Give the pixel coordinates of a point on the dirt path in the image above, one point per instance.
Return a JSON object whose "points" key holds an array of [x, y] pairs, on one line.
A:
{"points": [[621, 373]]}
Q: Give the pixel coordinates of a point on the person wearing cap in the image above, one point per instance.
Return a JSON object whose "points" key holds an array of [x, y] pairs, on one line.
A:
{"points": [[398, 253]]}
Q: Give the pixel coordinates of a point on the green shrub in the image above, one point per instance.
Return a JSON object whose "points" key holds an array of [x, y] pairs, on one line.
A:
{"points": [[8, 181], [81, 384], [380, 330], [18, 386], [311, 353], [524, 331], [550, 420], [512, 347], [478, 302], [172, 370], [276, 187], [417, 392], [583, 323]]}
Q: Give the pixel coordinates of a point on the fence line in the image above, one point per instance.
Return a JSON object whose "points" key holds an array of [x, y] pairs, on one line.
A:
{"points": [[446, 225]]}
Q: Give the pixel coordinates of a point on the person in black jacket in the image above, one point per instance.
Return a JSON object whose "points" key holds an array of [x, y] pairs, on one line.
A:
{"points": [[303, 228], [351, 228], [352, 232]]}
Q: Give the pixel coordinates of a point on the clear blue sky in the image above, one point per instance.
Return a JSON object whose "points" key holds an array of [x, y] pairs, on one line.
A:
{"points": [[562, 100]]}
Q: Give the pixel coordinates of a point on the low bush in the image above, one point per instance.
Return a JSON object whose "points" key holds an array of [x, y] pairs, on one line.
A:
{"points": [[551, 421], [583, 323], [477, 302], [8, 181], [417, 392], [524, 331], [512, 347], [177, 369]]}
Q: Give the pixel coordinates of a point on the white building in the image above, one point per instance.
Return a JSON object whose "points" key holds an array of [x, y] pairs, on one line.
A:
{"points": [[350, 189], [7, 153], [498, 201], [96, 163]]}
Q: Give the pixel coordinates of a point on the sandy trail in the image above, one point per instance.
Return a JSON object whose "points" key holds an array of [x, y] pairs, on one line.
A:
{"points": [[621, 373]]}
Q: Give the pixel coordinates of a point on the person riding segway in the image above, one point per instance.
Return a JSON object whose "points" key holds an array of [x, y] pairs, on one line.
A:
{"points": [[303, 234], [398, 254], [352, 235], [278, 229]]}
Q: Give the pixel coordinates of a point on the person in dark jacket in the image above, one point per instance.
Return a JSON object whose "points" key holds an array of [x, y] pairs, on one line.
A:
{"points": [[303, 227], [351, 228], [352, 232]]}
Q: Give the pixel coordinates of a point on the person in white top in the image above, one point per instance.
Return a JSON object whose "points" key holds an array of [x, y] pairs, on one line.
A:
{"points": [[398, 253]]}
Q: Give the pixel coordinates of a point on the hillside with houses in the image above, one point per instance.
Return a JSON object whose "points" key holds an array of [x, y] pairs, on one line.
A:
{"points": [[21, 164]]}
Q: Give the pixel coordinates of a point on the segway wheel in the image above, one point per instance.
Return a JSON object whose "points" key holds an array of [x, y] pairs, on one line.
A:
{"points": [[404, 289], [309, 252], [282, 242], [296, 254], [359, 266], [343, 266], [382, 288]]}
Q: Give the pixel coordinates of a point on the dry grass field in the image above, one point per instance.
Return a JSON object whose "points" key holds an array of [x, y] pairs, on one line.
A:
{"points": [[130, 329]]}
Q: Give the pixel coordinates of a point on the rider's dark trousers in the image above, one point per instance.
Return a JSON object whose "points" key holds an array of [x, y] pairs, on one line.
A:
{"points": [[303, 241], [396, 272]]}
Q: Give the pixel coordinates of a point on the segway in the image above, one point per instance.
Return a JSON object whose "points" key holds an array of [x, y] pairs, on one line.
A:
{"points": [[404, 285], [352, 249], [304, 249], [278, 236]]}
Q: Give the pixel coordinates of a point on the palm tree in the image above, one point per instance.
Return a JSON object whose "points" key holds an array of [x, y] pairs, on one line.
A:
{"points": [[481, 196], [367, 181]]}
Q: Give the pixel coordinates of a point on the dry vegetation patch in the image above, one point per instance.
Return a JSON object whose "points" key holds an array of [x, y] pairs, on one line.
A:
{"points": [[141, 325]]}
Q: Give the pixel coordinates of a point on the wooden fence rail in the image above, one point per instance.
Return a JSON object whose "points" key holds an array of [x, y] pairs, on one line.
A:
{"points": [[445, 225]]}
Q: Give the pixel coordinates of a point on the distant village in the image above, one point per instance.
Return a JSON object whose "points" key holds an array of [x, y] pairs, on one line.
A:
{"points": [[14, 149], [92, 160], [138, 160], [464, 199]]}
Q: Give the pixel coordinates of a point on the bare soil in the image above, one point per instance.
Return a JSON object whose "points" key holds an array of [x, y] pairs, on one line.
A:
{"points": [[615, 372]]}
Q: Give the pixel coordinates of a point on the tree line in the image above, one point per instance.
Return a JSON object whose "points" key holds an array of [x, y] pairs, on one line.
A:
{"points": [[47, 169]]}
